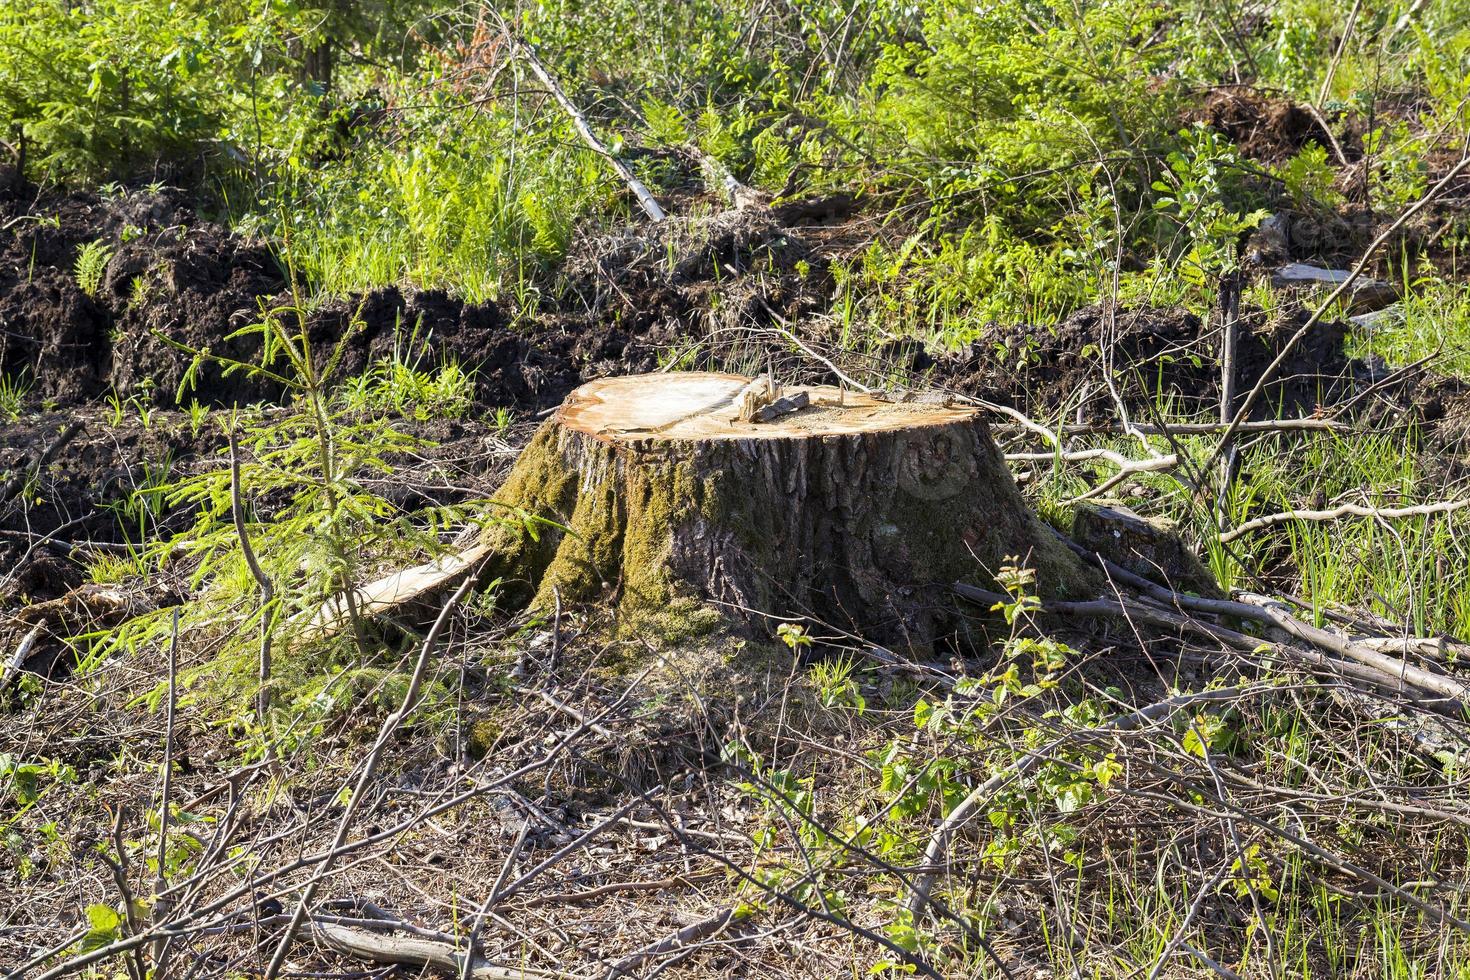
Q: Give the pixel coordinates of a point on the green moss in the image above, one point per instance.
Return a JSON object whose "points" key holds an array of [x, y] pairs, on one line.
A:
{"points": [[535, 497], [621, 532], [660, 499], [485, 732], [681, 621]]}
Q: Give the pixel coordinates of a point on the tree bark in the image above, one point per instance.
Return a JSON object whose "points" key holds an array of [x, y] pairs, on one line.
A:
{"points": [[850, 512]]}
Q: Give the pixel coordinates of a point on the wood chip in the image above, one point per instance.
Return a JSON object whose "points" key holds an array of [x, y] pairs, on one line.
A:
{"points": [[782, 406]]}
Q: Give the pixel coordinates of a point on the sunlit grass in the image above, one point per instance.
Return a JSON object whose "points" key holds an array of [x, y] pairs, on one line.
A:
{"points": [[479, 208], [1432, 320]]}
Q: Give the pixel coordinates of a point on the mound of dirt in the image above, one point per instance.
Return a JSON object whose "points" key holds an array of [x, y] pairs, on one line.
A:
{"points": [[1266, 129], [688, 280], [173, 283]]}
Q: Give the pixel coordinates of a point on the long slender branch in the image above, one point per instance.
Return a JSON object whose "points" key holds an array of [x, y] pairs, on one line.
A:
{"points": [[369, 768], [579, 122], [1344, 510], [1343, 287], [267, 588], [1184, 428], [162, 906]]}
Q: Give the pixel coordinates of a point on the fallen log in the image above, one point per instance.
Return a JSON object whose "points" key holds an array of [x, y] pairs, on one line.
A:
{"points": [[639, 190]]}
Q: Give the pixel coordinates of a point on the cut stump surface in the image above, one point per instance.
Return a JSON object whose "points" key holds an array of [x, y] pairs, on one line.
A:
{"points": [[853, 512]]}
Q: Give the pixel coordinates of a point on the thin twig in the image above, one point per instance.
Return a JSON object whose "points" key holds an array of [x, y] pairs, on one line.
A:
{"points": [[1243, 412], [472, 942], [1344, 510], [369, 768], [267, 588], [162, 906]]}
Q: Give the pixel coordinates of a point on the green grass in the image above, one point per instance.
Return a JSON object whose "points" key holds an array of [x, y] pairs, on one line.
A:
{"points": [[13, 392], [1432, 320], [449, 212]]}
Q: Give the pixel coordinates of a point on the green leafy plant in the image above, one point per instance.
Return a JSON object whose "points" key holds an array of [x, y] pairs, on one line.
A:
{"points": [[91, 265], [1309, 178], [836, 685], [396, 387], [1198, 195], [13, 391]]}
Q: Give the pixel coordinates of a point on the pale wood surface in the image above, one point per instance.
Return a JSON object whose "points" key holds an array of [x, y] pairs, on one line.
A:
{"points": [[700, 406]]}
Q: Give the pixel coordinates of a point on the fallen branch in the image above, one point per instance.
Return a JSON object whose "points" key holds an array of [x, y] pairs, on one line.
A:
{"points": [[1126, 467], [17, 660], [1343, 510], [1182, 428], [395, 590], [579, 122], [697, 932], [1333, 653], [567, 710], [719, 179], [1265, 610], [409, 950], [1124, 464], [1367, 662], [1272, 612]]}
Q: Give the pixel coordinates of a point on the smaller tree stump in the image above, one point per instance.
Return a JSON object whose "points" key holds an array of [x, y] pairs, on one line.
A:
{"points": [[847, 510]]}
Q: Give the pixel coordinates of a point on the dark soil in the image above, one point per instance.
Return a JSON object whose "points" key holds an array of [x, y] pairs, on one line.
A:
{"points": [[196, 284], [1269, 130], [1266, 129], [173, 279]]}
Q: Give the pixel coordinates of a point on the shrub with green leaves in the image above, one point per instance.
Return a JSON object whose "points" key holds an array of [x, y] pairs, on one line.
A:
{"points": [[994, 106], [114, 88], [1203, 200]]}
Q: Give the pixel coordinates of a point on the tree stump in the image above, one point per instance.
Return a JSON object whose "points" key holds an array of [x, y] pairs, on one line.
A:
{"points": [[848, 510]]}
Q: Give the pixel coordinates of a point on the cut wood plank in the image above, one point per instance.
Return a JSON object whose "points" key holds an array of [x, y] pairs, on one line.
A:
{"points": [[397, 589]]}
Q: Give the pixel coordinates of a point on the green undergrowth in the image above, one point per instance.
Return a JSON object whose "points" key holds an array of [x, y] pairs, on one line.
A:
{"points": [[405, 144], [477, 203], [1431, 321], [1041, 848], [1410, 570], [315, 520]]}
